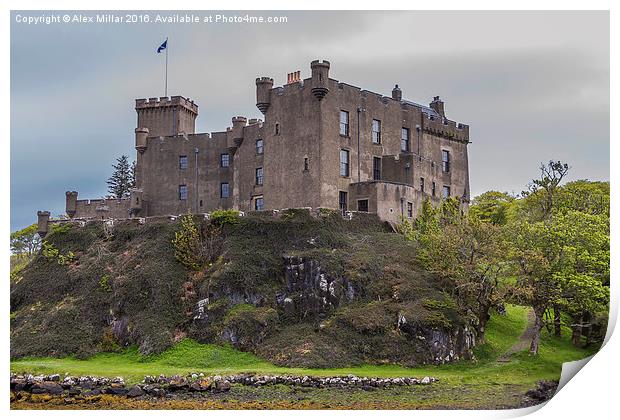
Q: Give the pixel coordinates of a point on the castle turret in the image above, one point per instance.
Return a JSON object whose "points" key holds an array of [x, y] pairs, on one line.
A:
{"points": [[135, 200], [141, 134], [237, 130], [71, 203], [167, 116], [263, 93], [397, 94], [43, 218], [320, 78], [437, 105]]}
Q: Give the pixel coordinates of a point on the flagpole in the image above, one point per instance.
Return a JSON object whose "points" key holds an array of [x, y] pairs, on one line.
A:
{"points": [[166, 86]]}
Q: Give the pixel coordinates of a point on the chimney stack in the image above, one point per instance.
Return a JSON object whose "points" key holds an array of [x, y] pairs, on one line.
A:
{"points": [[293, 77], [437, 105], [397, 94]]}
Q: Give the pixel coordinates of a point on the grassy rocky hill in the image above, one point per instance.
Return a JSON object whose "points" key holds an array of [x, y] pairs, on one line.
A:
{"points": [[298, 290]]}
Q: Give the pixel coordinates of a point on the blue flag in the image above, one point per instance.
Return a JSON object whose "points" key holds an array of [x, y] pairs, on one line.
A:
{"points": [[162, 46]]}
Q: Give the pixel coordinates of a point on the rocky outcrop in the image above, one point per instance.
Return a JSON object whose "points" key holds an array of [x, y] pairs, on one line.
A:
{"points": [[544, 391], [442, 346], [310, 290]]}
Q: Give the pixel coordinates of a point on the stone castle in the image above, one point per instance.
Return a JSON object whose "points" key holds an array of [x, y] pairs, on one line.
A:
{"points": [[322, 144]]}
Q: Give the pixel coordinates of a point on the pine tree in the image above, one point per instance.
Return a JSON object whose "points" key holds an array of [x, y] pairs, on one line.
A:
{"points": [[121, 180]]}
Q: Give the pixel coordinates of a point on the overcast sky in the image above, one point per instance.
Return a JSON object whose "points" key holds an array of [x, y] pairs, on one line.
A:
{"points": [[533, 86]]}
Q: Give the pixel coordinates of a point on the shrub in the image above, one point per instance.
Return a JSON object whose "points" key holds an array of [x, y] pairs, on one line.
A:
{"points": [[224, 217], [104, 283], [187, 244]]}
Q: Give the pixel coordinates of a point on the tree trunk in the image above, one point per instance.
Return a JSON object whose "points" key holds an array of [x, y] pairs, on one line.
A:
{"points": [[586, 331], [483, 318], [539, 312], [557, 322], [577, 330]]}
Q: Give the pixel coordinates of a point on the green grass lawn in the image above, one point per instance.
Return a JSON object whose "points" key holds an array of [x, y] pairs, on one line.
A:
{"points": [[189, 356]]}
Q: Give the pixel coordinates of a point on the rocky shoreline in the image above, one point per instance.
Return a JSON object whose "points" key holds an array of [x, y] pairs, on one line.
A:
{"points": [[163, 386]]}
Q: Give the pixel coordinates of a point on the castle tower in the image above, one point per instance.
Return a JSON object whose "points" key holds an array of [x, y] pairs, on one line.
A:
{"points": [[71, 203], [320, 78], [167, 116], [43, 218], [263, 93]]}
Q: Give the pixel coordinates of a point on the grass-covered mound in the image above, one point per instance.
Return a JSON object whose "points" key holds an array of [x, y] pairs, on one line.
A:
{"points": [[110, 292], [353, 294]]}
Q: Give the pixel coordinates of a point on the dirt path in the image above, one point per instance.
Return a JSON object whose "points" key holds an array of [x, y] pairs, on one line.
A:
{"points": [[524, 341]]}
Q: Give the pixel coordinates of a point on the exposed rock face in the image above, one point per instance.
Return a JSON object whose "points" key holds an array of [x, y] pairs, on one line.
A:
{"points": [[310, 291], [442, 346]]}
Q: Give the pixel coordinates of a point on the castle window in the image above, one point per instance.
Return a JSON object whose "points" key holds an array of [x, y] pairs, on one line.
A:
{"points": [[362, 205], [259, 203], [344, 162], [422, 184], [224, 160], [344, 123], [259, 176], [306, 164], [433, 189], [404, 139], [376, 131], [182, 192], [409, 209], [259, 147], [446, 191], [445, 160], [277, 131], [224, 190], [376, 168], [342, 201], [183, 162]]}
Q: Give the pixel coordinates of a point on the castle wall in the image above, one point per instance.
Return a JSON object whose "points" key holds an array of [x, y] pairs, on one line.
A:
{"points": [[102, 209], [427, 139], [388, 199], [162, 175]]}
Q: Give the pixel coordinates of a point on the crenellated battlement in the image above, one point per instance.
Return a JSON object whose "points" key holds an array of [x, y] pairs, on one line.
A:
{"points": [[165, 101], [444, 127]]}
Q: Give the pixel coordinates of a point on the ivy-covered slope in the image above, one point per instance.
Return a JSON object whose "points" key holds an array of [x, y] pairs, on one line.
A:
{"points": [[297, 290]]}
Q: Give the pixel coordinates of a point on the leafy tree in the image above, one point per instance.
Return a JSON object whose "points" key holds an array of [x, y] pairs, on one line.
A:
{"points": [[465, 252], [25, 241], [469, 254], [492, 207], [542, 191], [121, 180], [535, 254], [591, 197], [584, 273], [562, 263], [541, 197]]}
